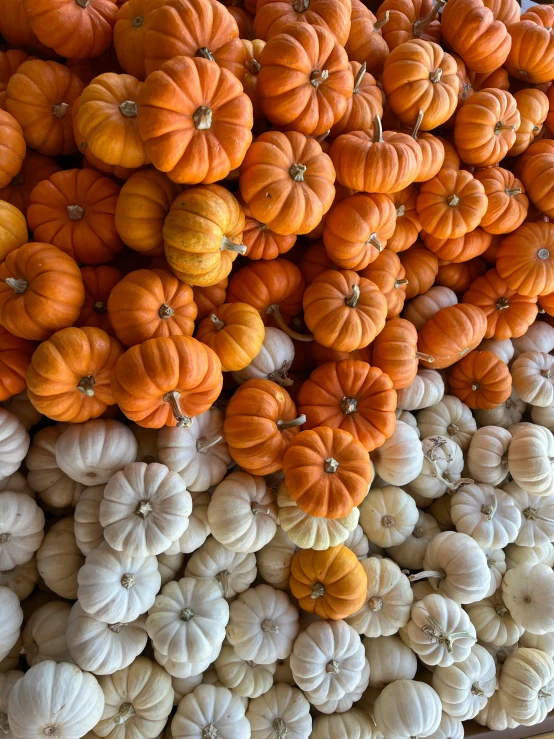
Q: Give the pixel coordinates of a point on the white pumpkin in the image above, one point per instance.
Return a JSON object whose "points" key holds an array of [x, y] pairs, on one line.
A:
{"points": [[183, 686], [137, 701], [93, 451], [388, 516], [11, 618], [145, 508], [7, 681], [423, 307], [493, 716], [537, 516], [388, 600], [487, 457], [55, 488], [439, 631], [247, 679], [449, 728], [489, 515], [538, 337], [389, 660], [353, 724], [465, 687], [44, 635], [426, 389], [55, 700], [407, 708], [311, 532], [516, 555], [263, 624], [440, 510], [242, 513], [89, 533], [103, 648], [408, 418], [443, 462], [500, 655], [169, 565], [272, 362], [21, 578], [358, 543], [279, 713], [493, 621], [199, 454], [526, 686], [544, 642], [504, 349], [531, 459], [11, 660], [450, 418], [187, 621], [185, 669], [543, 416], [533, 377], [147, 443], [528, 592], [327, 660], [198, 529], [410, 552], [348, 699], [16, 483], [21, 529], [505, 414], [115, 587], [21, 406], [399, 459], [210, 711], [234, 572], [59, 559], [275, 558], [14, 443]]}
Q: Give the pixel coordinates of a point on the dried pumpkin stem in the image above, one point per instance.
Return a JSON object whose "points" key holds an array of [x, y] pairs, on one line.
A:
{"points": [[322, 136], [202, 118], [217, 322], [204, 53], [202, 445], [182, 421], [19, 286], [258, 509], [421, 24], [100, 307], [352, 300], [318, 76], [144, 508], [513, 192], [129, 109], [268, 625], [165, 311], [318, 591], [75, 212], [297, 172], [377, 131], [127, 580], [453, 200], [418, 532], [374, 241], [349, 405], [452, 429], [59, 110], [381, 22], [543, 253], [436, 75], [186, 614], [490, 509], [280, 728], [501, 610], [83, 3], [255, 66], [436, 634], [330, 465], [421, 355], [280, 375], [4, 725], [532, 514], [229, 245], [477, 690], [542, 694], [375, 603], [283, 425], [332, 666], [401, 283], [301, 5], [274, 310], [400, 210], [432, 574], [137, 22], [501, 126], [51, 730], [116, 628], [387, 521], [417, 125], [86, 386], [223, 579], [126, 711], [359, 76], [502, 303], [209, 732], [475, 386]]}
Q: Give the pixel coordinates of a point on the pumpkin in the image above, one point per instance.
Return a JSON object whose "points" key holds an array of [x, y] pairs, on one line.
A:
{"points": [[166, 381], [465, 687], [384, 163], [394, 352], [56, 488], [407, 225], [493, 621], [12, 153], [280, 708], [538, 337], [432, 149], [534, 170], [98, 283], [528, 270], [487, 514], [237, 674], [261, 242], [533, 107], [88, 531], [459, 277], [347, 701], [406, 21], [14, 442], [12, 618], [208, 298], [389, 659], [286, 180], [7, 681], [10, 61], [525, 684], [399, 459], [15, 26], [274, 560], [481, 380], [424, 306], [13, 231], [235, 332], [536, 528], [59, 559], [44, 634], [352, 724], [388, 274], [233, 571], [365, 43], [366, 101], [460, 249], [271, 17], [198, 529], [417, 709], [15, 357], [222, 709], [388, 516], [22, 529], [129, 35], [507, 203], [330, 583], [451, 334], [529, 459], [253, 49], [425, 390], [420, 269], [22, 578], [487, 456], [528, 59], [442, 468], [21, 406]]}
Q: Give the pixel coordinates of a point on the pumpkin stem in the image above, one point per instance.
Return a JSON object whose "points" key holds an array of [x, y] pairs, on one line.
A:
{"points": [[330, 465], [205, 53], [536, 129], [542, 694], [280, 727], [436, 75], [501, 610], [400, 210], [322, 136], [349, 405], [255, 66], [301, 5], [126, 710], [502, 303], [333, 666], [418, 532], [280, 375], [359, 76], [387, 521], [19, 286], [543, 253], [374, 241], [165, 311], [186, 614], [202, 445], [500, 126], [377, 131], [217, 322], [202, 118], [127, 580], [283, 425], [273, 310], [452, 429], [421, 24], [318, 590], [477, 690], [268, 625], [433, 574], [75, 212], [83, 3], [86, 386], [129, 109], [100, 307], [51, 730], [256, 509], [437, 635], [223, 579], [59, 110], [513, 192], [116, 628], [137, 22], [182, 421], [375, 603], [532, 514], [401, 283], [381, 22], [4, 725], [209, 732], [144, 508], [417, 125], [229, 245], [421, 355], [352, 300], [297, 172], [318, 76], [475, 386], [453, 200], [5, 537]]}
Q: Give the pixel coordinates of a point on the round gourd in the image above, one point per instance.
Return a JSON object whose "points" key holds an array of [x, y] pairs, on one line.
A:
{"points": [[198, 529], [528, 592], [487, 459], [274, 560], [493, 622], [55, 488], [272, 361], [530, 459], [21, 579], [210, 710], [281, 709], [489, 515], [245, 679], [389, 660], [352, 724], [526, 686], [537, 516], [442, 467], [44, 636], [532, 372], [399, 459], [465, 687], [411, 551], [493, 716], [425, 390], [388, 516], [449, 418], [89, 533], [14, 442], [11, 620], [59, 559], [407, 708], [348, 700], [21, 529], [233, 571]]}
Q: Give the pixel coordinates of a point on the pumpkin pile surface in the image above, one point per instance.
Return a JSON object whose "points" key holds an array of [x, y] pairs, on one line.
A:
{"points": [[276, 368]]}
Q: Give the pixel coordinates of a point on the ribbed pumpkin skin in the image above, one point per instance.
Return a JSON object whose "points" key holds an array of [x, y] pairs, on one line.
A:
{"points": [[451, 333], [480, 380]]}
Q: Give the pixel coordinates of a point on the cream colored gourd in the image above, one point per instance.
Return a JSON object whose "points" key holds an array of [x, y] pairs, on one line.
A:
{"points": [[423, 307], [212, 712], [449, 728], [489, 515], [242, 514], [544, 642], [504, 415], [187, 621], [399, 459], [272, 362], [274, 560], [358, 542], [55, 488], [115, 587], [103, 648], [199, 454], [526, 686], [21, 578], [7, 681], [16, 483], [263, 624], [11, 618], [496, 562], [185, 670], [198, 529], [389, 660], [55, 699], [327, 660], [388, 600], [183, 686], [493, 621], [388, 516], [528, 592], [93, 451], [411, 551], [137, 701], [487, 456], [450, 418], [533, 378], [493, 716], [21, 529], [439, 631], [504, 349], [465, 687], [407, 708], [531, 459], [282, 711], [147, 443], [516, 555], [59, 559], [14, 443], [347, 700], [352, 724], [234, 572], [457, 567], [246, 679], [408, 418], [169, 565], [145, 508], [44, 635], [426, 389], [89, 533], [538, 337], [21, 406], [443, 462], [543, 416], [311, 532], [11, 660], [537, 516]]}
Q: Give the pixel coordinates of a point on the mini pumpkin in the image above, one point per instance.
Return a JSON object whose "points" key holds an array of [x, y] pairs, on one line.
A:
{"points": [[451, 334], [525, 259], [389, 275], [235, 332], [98, 283], [13, 231], [366, 101], [395, 352], [271, 17], [481, 380], [13, 148], [15, 358], [507, 202]]}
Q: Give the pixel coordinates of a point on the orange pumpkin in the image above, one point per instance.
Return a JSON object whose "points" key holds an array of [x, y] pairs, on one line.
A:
{"points": [[395, 352], [508, 313], [327, 472], [389, 275], [129, 34], [15, 357], [365, 43], [322, 354], [244, 22], [260, 422], [207, 299], [525, 259], [75, 211], [407, 225], [451, 333], [40, 97], [166, 381], [98, 282], [343, 310], [330, 583], [194, 118], [499, 79], [271, 16], [261, 242], [315, 260], [34, 169], [69, 375], [202, 234], [12, 149], [470, 245], [531, 56], [149, 303], [432, 152], [451, 204], [13, 229], [366, 102], [549, 121], [235, 332], [350, 395], [533, 109], [15, 26], [536, 171], [420, 269], [451, 158], [253, 50], [408, 19], [357, 229], [481, 380], [10, 61], [458, 276], [507, 202], [287, 182]]}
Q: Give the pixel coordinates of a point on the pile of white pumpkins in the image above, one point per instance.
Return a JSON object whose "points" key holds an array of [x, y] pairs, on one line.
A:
{"points": [[144, 580]]}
